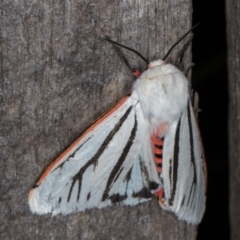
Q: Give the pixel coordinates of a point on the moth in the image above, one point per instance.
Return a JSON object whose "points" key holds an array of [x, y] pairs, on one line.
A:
{"points": [[148, 144]]}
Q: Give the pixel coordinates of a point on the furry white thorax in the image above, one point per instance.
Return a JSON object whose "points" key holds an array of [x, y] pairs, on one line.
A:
{"points": [[162, 91]]}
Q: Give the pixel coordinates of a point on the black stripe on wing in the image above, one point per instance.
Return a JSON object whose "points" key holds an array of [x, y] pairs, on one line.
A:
{"points": [[118, 167], [78, 176], [173, 169], [174, 164], [72, 155], [194, 181], [115, 198], [143, 193]]}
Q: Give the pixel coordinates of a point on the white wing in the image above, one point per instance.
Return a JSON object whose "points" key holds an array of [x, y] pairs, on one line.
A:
{"points": [[184, 169], [108, 164]]}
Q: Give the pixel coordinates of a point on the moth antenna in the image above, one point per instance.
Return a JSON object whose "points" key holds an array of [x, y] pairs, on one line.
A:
{"points": [[178, 41], [120, 54], [139, 54], [134, 71]]}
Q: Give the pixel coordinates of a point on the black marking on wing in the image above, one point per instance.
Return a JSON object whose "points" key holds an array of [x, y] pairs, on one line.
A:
{"points": [[78, 176], [175, 163], [153, 185], [59, 200], [143, 193], [191, 196], [194, 182], [118, 174], [170, 171], [88, 196], [128, 176], [144, 171], [114, 174], [183, 200], [161, 181], [115, 198], [72, 155]]}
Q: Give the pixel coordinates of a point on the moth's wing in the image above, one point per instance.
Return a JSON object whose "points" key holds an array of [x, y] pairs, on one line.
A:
{"points": [[92, 171], [184, 169], [142, 179]]}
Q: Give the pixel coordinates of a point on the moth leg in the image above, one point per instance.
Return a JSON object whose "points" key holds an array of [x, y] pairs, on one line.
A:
{"points": [[195, 103], [160, 196], [186, 72]]}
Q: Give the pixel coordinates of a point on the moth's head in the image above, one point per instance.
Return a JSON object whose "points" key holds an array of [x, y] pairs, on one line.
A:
{"points": [[156, 63]]}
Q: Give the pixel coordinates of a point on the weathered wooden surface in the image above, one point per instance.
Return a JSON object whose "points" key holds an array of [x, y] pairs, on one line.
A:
{"points": [[57, 77], [233, 36]]}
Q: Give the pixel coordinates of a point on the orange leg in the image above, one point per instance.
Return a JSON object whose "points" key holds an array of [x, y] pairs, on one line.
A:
{"points": [[159, 194]]}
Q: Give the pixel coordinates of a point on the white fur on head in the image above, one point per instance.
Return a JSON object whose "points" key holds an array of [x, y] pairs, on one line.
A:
{"points": [[156, 63]]}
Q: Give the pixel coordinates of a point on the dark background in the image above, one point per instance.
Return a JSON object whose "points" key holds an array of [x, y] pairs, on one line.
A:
{"points": [[210, 81]]}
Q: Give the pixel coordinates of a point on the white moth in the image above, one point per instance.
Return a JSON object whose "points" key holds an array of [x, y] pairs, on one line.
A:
{"points": [[147, 144]]}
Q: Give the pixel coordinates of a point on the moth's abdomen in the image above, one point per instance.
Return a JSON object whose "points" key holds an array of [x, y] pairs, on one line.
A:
{"points": [[157, 151]]}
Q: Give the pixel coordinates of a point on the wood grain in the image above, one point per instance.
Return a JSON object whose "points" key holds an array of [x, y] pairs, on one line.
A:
{"points": [[233, 37]]}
